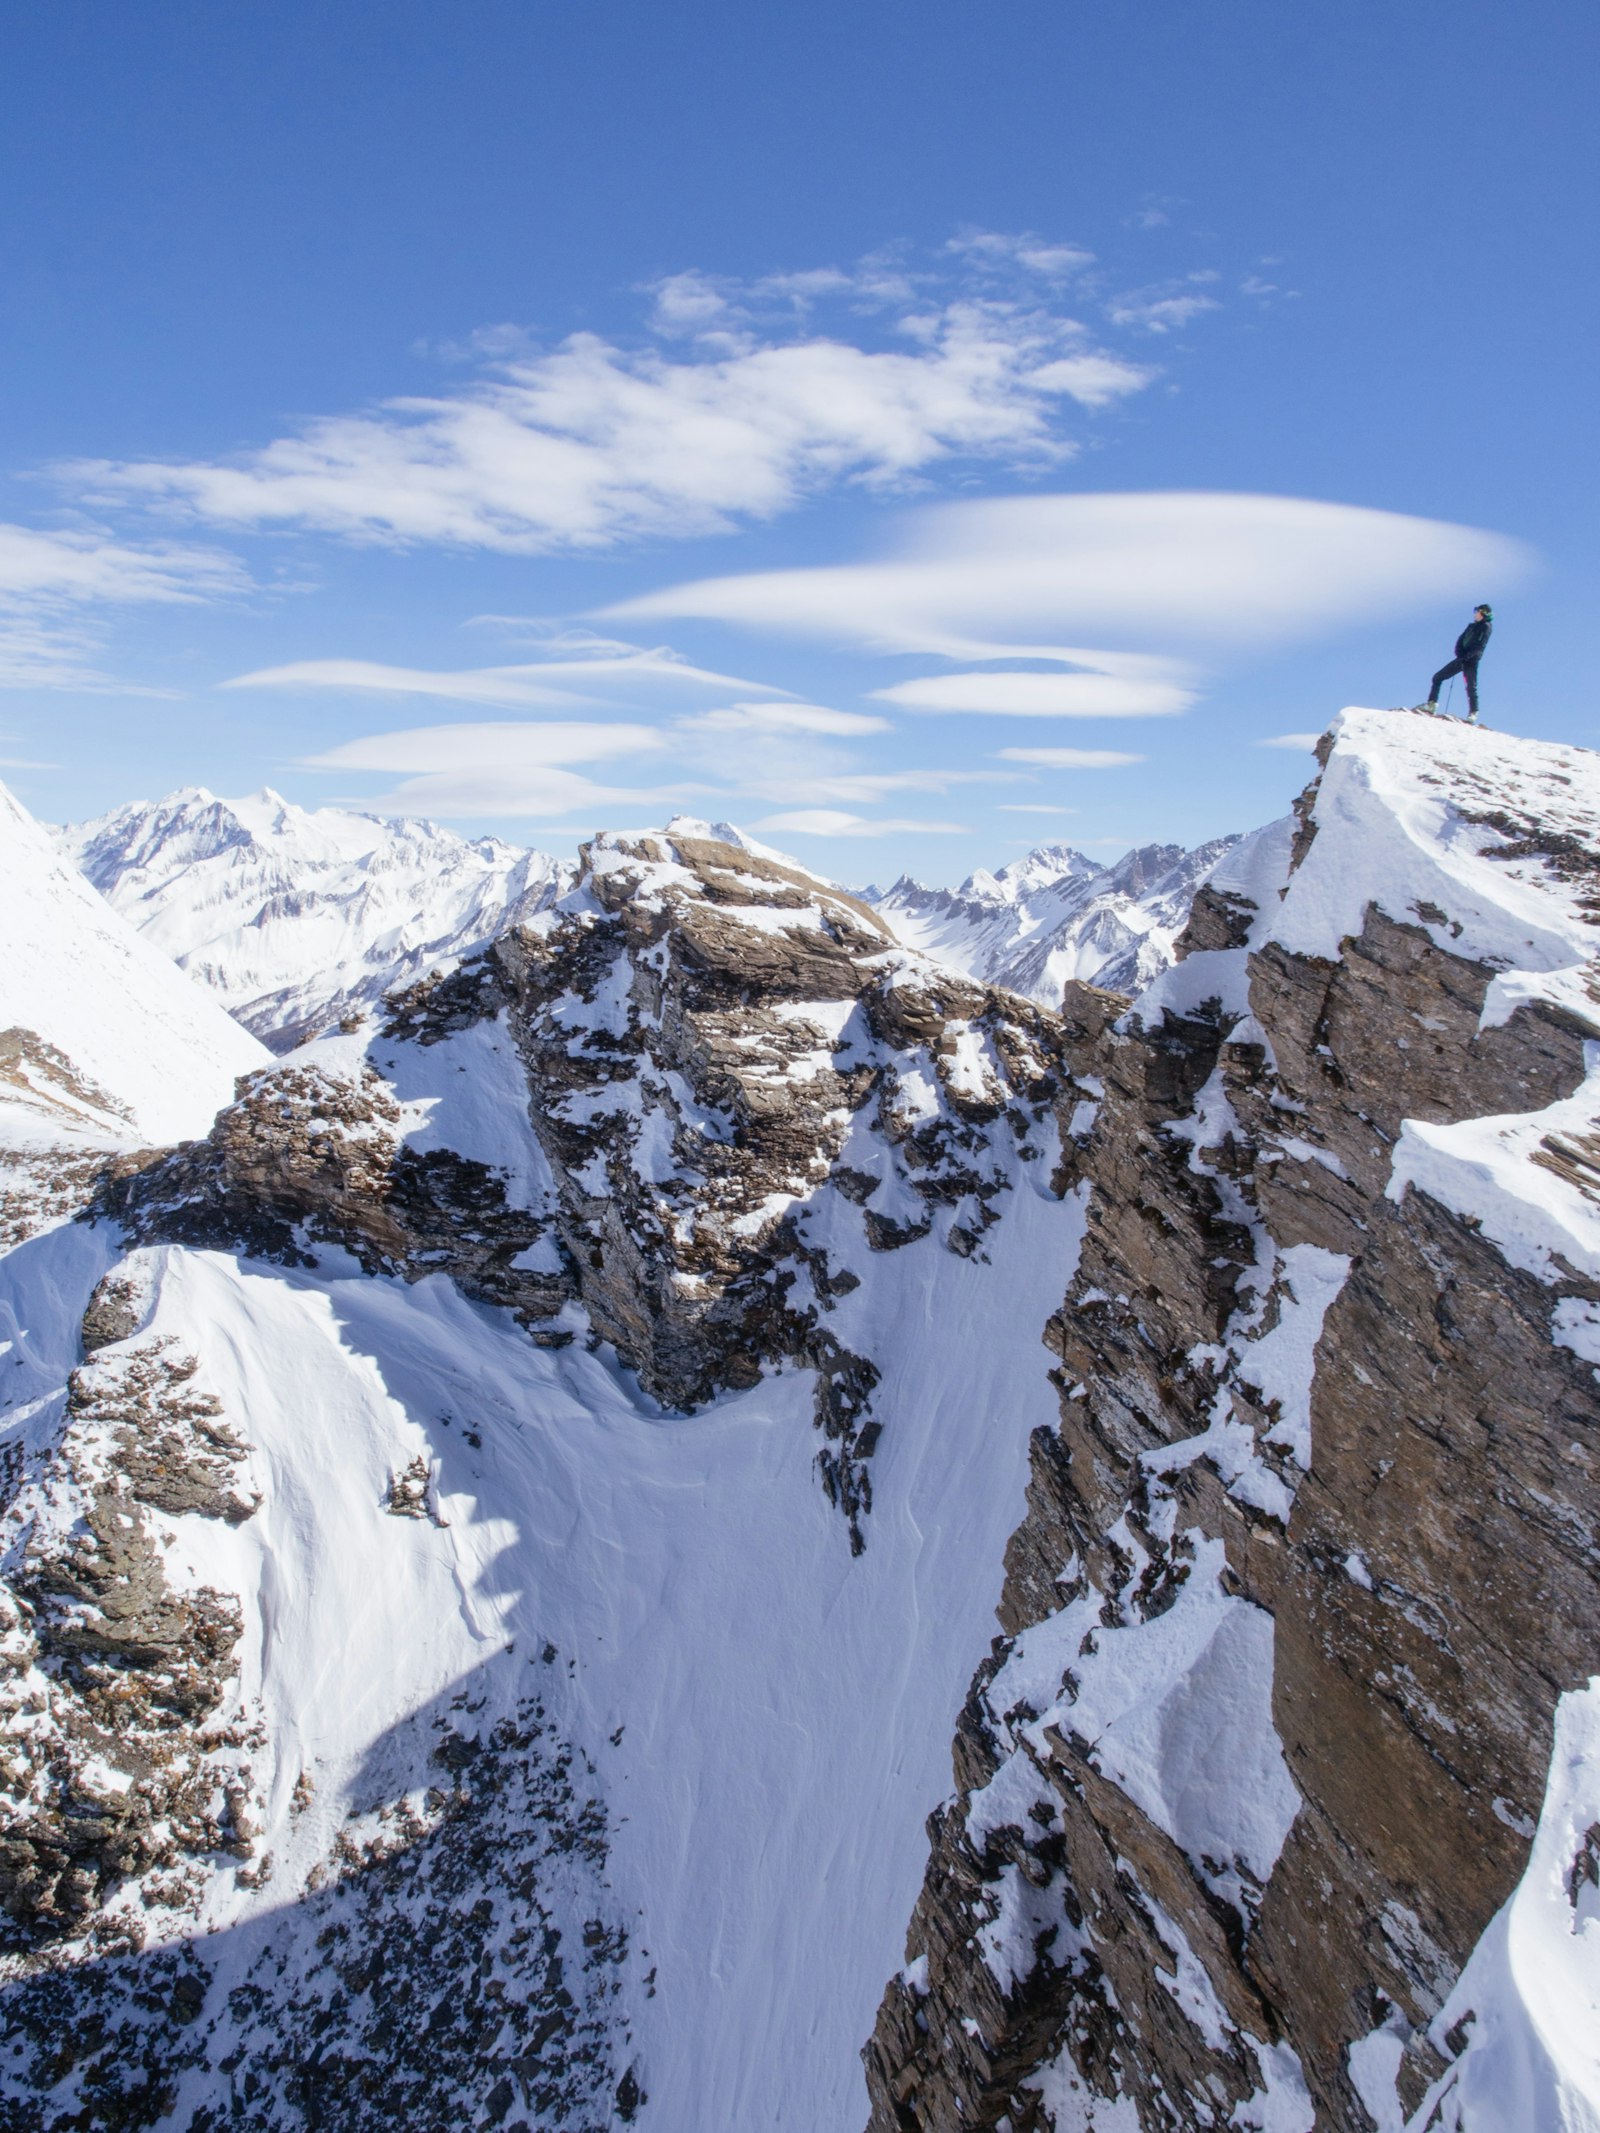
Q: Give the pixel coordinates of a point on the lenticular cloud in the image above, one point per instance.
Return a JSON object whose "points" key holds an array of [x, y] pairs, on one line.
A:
{"points": [[1139, 587]]}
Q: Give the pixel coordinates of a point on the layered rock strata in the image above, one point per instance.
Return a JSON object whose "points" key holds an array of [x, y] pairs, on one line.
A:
{"points": [[1315, 1549]]}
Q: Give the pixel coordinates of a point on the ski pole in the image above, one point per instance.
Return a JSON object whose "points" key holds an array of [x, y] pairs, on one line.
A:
{"points": [[1449, 699]]}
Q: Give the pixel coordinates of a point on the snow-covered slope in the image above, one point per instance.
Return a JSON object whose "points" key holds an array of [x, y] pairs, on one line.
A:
{"points": [[102, 1040], [499, 1537], [296, 917], [1057, 915], [573, 1749]]}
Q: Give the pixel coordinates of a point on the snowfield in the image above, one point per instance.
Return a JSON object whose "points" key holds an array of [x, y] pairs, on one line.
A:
{"points": [[770, 1718], [124, 1047]]}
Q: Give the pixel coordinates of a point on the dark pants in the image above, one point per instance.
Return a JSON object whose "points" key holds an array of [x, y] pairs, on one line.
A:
{"points": [[1468, 670]]}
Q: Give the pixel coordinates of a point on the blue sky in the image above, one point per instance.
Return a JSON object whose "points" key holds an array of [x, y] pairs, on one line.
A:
{"points": [[915, 432]]}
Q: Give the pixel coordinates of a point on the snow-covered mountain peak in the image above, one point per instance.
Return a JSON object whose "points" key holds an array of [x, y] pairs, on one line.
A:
{"points": [[297, 917], [1039, 869], [1057, 915], [104, 1041]]}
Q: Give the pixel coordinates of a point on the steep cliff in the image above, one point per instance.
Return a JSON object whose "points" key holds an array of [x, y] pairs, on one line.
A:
{"points": [[1309, 1572]]}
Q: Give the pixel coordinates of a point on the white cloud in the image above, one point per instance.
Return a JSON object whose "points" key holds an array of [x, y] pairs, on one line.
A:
{"points": [[1031, 807], [1161, 581], [1055, 262], [1091, 380], [833, 822], [505, 769], [77, 568], [1290, 740], [608, 670], [53, 585], [1039, 695], [784, 718], [738, 411], [1070, 758], [1167, 308], [508, 747]]}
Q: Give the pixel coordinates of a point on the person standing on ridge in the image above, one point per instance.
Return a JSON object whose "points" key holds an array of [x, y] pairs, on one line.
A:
{"points": [[1469, 650]]}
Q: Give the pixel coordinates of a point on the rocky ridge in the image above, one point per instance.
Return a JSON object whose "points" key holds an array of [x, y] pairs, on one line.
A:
{"points": [[1311, 1559], [655, 1155], [712, 1043]]}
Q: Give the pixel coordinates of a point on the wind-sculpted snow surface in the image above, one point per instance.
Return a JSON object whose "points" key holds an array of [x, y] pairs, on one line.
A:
{"points": [[1057, 917], [1311, 1555], [295, 918], [525, 1371]]}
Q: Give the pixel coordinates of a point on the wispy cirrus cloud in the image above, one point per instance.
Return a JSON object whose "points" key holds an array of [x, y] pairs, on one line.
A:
{"points": [[608, 672], [737, 406], [1070, 758], [1166, 307], [1290, 740], [56, 588]]}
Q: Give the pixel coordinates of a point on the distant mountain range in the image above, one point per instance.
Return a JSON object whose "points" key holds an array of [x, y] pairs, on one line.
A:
{"points": [[1057, 915], [296, 918]]}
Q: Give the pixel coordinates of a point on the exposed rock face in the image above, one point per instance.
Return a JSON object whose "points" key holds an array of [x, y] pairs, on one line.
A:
{"points": [[702, 1032], [306, 1155], [1260, 1750], [117, 1780]]}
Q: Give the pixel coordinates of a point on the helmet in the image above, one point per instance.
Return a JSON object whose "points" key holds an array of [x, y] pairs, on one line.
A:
{"points": [[1485, 609]]}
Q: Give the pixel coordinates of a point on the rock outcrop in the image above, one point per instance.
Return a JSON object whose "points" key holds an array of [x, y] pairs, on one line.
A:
{"points": [[710, 1044], [1314, 1552]]}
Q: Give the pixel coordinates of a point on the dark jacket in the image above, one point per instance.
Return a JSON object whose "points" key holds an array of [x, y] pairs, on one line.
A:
{"points": [[1470, 644]]}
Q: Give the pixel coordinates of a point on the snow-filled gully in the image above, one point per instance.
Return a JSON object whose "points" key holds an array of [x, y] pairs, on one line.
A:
{"points": [[769, 1720]]}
